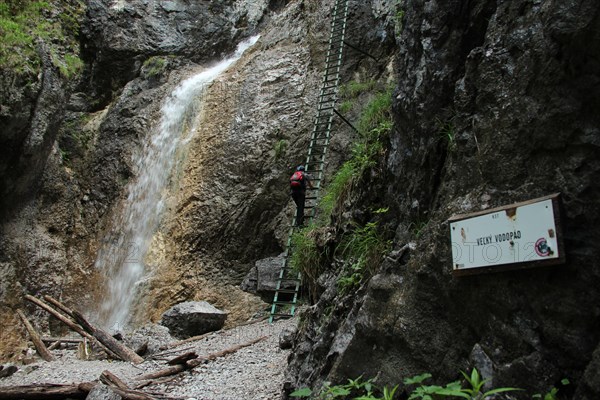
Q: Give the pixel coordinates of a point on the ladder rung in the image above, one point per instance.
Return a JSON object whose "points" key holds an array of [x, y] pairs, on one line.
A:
{"points": [[287, 291], [289, 279], [284, 303]]}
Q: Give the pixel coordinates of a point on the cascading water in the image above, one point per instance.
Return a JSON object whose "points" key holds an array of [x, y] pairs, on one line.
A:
{"points": [[122, 256]]}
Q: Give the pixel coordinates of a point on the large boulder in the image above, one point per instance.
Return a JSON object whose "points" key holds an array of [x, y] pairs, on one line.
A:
{"points": [[193, 318], [262, 278]]}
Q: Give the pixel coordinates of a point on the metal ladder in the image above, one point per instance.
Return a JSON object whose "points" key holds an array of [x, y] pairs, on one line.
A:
{"points": [[288, 282]]}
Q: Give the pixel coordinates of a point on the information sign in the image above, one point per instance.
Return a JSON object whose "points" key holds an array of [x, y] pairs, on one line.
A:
{"points": [[517, 236]]}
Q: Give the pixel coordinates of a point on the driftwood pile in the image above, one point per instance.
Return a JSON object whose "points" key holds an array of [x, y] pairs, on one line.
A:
{"points": [[76, 391], [114, 349], [77, 322]]}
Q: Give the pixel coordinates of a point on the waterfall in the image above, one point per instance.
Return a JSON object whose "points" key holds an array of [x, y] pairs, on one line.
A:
{"points": [[121, 258]]}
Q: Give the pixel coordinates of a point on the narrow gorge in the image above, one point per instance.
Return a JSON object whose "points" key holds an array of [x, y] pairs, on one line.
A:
{"points": [[146, 149]]}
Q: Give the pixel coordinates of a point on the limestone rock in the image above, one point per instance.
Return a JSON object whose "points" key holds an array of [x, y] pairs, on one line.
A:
{"points": [[153, 335], [193, 318], [286, 337], [8, 370], [102, 392], [262, 278]]}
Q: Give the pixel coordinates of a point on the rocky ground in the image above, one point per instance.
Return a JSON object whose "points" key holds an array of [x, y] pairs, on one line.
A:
{"points": [[254, 372]]}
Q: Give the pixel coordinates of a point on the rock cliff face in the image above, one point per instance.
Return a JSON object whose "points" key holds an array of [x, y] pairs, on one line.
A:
{"points": [[496, 103], [229, 200], [232, 205], [69, 145]]}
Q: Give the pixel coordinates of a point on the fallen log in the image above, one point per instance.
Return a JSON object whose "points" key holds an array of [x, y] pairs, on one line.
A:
{"points": [[54, 346], [201, 360], [175, 369], [65, 320], [194, 362], [182, 359], [45, 391], [35, 338], [122, 351], [110, 379], [119, 387], [59, 305], [132, 394], [70, 323], [61, 340]]}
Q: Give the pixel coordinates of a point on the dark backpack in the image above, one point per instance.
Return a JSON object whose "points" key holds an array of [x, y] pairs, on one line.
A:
{"points": [[297, 180]]}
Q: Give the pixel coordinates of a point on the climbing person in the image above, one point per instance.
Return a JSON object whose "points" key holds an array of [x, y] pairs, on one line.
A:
{"points": [[298, 182]]}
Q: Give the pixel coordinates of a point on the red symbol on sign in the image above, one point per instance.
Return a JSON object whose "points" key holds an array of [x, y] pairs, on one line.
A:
{"points": [[541, 247]]}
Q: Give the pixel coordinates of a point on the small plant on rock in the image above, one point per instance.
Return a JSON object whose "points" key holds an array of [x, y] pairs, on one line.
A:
{"points": [[363, 250], [453, 389]]}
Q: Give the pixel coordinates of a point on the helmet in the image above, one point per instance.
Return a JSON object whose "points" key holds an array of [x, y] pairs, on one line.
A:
{"points": [[300, 168]]}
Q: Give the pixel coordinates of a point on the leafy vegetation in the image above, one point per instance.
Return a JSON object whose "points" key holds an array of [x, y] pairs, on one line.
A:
{"points": [[399, 17], [363, 251], [154, 66], [354, 88], [375, 125], [453, 389], [355, 389], [24, 23], [280, 148], [363, 248], [552, 394], [306, 257], [366, 390], [346, 106], [447, 133]]}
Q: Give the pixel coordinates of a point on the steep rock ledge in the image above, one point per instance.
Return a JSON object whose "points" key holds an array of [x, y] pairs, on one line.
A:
{"points": [[494, 105], [231, 206]]}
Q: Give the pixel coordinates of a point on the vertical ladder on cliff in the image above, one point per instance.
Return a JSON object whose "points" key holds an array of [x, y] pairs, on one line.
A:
{"points": [[288, 283]]}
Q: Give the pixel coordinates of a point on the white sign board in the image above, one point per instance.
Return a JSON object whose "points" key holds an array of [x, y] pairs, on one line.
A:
{"points": [[521, 233]]}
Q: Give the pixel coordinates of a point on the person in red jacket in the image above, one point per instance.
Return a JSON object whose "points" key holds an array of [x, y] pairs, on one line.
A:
{"points": [[298, 183]]}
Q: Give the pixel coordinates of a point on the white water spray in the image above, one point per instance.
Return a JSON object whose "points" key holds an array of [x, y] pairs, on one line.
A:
{"points": [[122, 256]]}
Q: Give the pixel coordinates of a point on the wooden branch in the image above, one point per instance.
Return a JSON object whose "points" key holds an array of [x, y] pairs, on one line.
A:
{"points": [[59, 305], [44, 392], [157, 356], [67, 321], [194, 362], [201, 360], [188, 340], [175, 369], [122, 351], [49, 391], [54, 345], [35, 338], [132, 394], [182, 359], [61, 340], [159, 381], [70, 323], [110, 379]]}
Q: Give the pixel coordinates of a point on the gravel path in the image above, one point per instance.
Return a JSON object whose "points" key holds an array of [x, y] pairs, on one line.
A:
{"points": [[254, 372]]}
